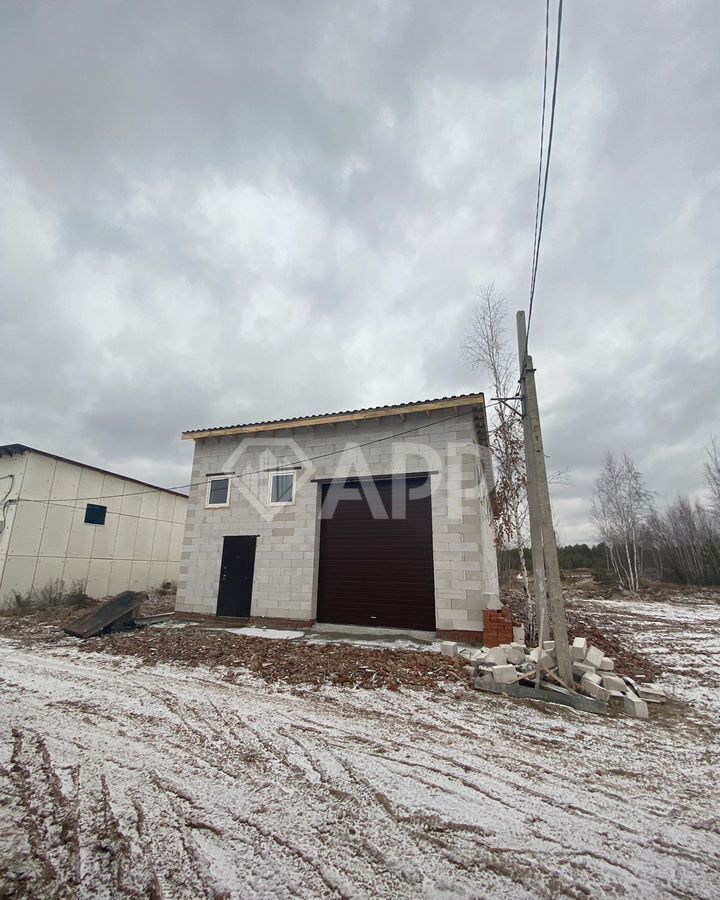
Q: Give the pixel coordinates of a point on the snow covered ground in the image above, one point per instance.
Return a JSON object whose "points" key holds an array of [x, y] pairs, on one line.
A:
{"points": [[123, 780]]}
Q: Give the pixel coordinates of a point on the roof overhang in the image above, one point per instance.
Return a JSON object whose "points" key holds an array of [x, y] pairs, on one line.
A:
{"points": [[475, 402]]}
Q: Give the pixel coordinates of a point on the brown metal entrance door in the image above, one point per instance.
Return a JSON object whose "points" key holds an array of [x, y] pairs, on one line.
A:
{"points": [[236, 576], [376, 563]]}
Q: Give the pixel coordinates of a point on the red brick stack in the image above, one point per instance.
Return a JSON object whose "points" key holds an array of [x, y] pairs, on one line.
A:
{"points": [[498, 626]]}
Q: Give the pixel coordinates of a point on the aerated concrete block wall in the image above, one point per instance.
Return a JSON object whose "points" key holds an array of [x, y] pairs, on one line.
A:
{"points": [[286, 563]]}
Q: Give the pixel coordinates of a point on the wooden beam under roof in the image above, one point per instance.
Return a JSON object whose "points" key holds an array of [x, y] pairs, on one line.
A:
{"points": [[333, 419]]}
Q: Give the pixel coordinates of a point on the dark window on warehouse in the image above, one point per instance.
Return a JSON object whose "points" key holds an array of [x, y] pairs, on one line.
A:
{"points": [[95, 514]]}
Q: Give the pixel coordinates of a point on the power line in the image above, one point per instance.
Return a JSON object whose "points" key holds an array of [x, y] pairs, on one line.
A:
{"points": [[539, 224], [387, 437], [542, 150]]}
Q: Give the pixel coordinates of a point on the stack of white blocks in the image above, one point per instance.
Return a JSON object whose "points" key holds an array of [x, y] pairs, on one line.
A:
{"points": [[595, 671]]}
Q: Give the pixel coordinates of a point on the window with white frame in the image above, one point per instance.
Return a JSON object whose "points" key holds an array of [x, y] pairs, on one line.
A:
{"points": [[281, 488], [218, 492]]}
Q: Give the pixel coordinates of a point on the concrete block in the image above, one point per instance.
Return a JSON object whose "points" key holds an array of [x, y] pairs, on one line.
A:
{"points": [[630, 683], [579, 648], [449, 648], [613, 683], [496, 656], [515, 655], [634, 706], [592, 689], [591, 676], [518, 634], [541, 657], [594, 656], [504, 674], [606, 664], [650, 694], [478, 656], [582, 668]]}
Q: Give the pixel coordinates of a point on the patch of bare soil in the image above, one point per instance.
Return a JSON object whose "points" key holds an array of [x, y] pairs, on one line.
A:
{"points": [[289, 661]]}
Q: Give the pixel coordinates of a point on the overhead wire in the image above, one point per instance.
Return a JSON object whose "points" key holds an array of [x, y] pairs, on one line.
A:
{"points": [[541, 203]]}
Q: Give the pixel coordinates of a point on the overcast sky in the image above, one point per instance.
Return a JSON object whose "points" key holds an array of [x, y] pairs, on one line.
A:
{"points": [[215, 212]]}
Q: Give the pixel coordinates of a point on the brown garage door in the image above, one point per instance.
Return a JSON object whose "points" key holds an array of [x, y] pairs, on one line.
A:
{"points": [[377, 570]]}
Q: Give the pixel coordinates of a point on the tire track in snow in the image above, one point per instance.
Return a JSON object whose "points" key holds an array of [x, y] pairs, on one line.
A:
{"points": [[213, 788]]}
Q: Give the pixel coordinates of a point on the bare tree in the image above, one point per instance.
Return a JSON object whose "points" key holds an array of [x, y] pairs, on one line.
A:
{"points": [[712, 474], [488, 348], [685, 541], [620, 507]]}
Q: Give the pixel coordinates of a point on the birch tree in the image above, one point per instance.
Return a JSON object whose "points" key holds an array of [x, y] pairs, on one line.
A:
{"points": [[488, 348], [712, 474], [620, 508]]}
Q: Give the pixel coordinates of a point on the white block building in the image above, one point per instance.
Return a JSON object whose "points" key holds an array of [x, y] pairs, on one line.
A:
{"points": [[369, 517], [65, 522]]}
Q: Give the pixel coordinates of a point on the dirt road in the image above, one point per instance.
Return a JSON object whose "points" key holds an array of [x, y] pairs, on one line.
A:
{"points": [[123, 780]]}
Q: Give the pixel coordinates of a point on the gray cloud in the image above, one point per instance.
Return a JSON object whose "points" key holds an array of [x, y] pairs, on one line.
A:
{"points": [[227, 211]]}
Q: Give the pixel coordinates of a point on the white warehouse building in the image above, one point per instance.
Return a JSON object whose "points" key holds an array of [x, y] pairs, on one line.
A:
{"points": [[64, 523]]}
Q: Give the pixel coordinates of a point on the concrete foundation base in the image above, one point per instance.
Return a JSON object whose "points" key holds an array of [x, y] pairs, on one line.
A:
{"points": [[226, 621]]}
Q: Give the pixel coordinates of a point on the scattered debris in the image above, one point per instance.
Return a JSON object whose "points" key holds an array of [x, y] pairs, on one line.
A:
{"points": [[584, 622], [513, 669]]}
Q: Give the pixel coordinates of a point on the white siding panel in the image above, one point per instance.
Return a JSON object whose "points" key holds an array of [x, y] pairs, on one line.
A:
{"points": [[166, 507], [91, 485], [18, 575], [75, 570], [161, 543], [81, 535], [104, 539], [27, 529], [98, 578], [144, 539], [112, 493], [132, 499], [120, 576], [38, 477], [150, 503], [157, 574], [139, 575], [49, 570], [66, 483], [180, 510], [56, 532], [125, 540]]}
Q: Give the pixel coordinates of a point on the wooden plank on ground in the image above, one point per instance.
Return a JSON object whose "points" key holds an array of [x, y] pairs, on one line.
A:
{"points": [[116, 610]]}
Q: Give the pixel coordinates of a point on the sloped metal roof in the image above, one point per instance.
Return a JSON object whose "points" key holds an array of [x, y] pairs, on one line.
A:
{"points": [[19, 449], [344, 416]]}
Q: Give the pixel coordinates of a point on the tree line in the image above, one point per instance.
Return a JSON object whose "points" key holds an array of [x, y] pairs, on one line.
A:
{"points": [[680, 542]]}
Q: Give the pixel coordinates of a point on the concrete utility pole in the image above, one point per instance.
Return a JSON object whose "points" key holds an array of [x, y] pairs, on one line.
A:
{"points": [[537, 472], [536, 544]]}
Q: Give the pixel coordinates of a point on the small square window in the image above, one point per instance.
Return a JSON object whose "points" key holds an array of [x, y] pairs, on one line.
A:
{"points": [[282, 487], [218, 493], [95, 514]]}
